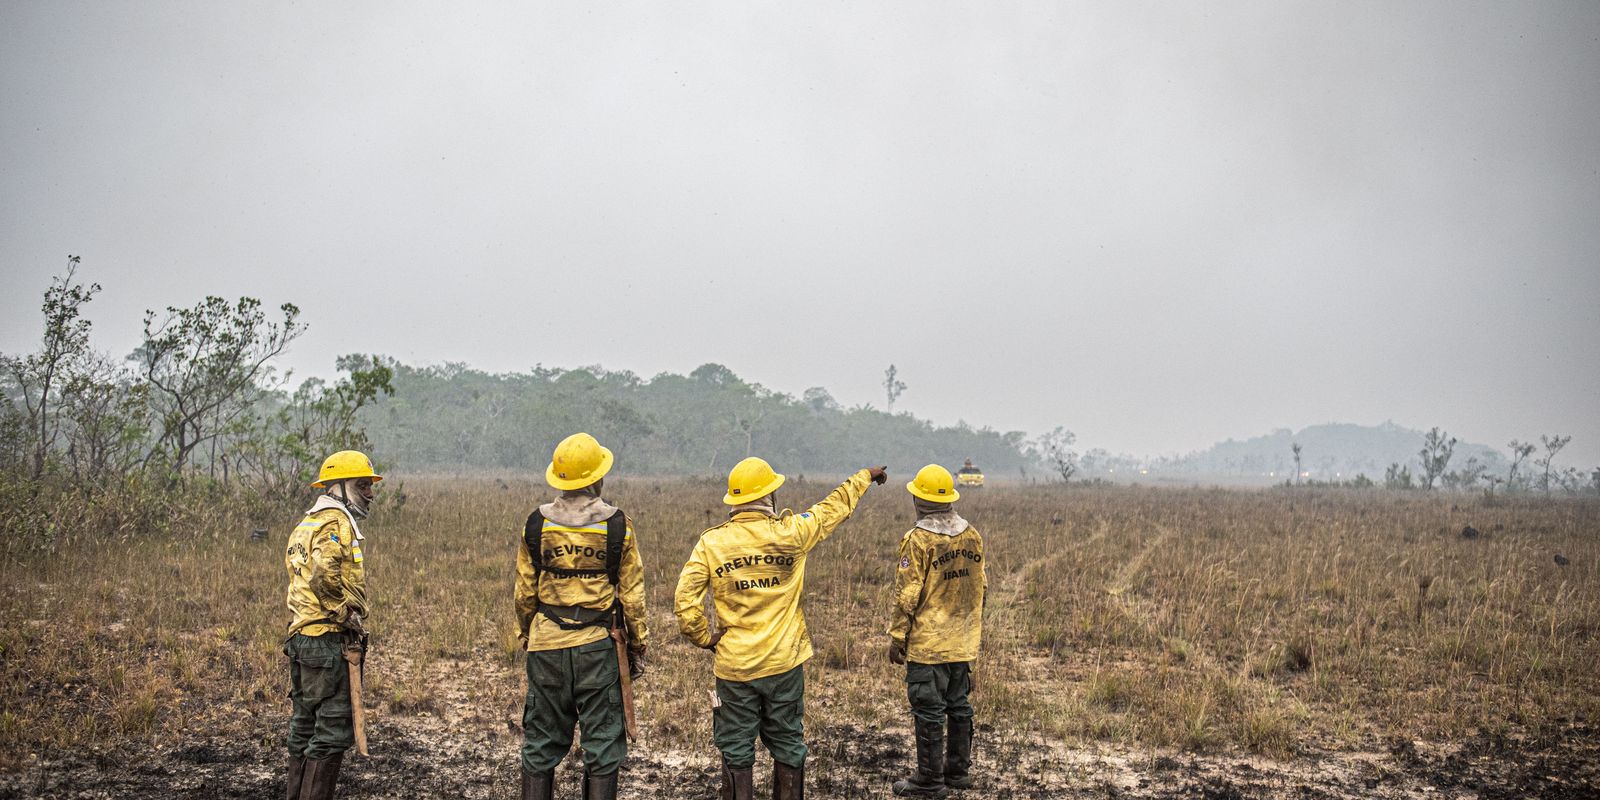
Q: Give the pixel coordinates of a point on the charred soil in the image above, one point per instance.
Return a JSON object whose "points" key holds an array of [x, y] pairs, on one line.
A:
{"points": [[424, 758]]}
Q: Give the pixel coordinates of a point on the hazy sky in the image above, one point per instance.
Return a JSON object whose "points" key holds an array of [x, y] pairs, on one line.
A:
{"points": [[1158, 224]]}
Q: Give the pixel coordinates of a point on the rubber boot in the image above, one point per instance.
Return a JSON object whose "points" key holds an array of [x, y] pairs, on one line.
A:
{"points": [[788, 783], [737, 784], [928, 781], [599, 787], [538, 785], [321, 777], [297, 772], [958, 754]]}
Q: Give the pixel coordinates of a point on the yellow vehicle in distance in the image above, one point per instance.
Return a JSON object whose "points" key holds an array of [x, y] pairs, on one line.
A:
{"points": [[969, 475]]}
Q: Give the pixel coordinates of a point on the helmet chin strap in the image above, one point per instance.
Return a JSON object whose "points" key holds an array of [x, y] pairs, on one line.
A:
{"points": [[592, 490], [357, 509]]}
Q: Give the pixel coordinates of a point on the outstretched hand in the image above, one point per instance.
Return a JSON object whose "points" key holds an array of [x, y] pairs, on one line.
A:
{"points": [[878, 474]]}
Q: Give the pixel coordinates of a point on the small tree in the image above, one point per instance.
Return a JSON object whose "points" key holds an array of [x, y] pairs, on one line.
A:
{"points": [[1296, 448], [105, 416], [892, 386], [1398, 477], [203, 365], [1466, 478], [1519, 451], [1055, 448], [39, 378], [277, 455], [1552, 445], [1437, 447], [1570, 480], [1493, 481]]}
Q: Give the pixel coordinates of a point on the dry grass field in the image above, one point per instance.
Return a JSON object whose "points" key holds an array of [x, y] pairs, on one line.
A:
{"points": [[1140, 642]]}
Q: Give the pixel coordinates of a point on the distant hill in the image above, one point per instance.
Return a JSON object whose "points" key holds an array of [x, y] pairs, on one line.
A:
{"points": [[1336, 451]]}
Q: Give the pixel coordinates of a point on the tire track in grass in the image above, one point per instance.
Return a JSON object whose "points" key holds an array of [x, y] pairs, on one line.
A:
{"points": [[1031, 680], [1007, 605], [1144, 612], [1009, 596], [1125, 577]]}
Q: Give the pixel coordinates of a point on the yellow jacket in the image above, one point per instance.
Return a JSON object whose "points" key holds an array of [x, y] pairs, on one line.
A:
{"points": [[755, 566], [938, 591], [326, 577], [574, 537]]}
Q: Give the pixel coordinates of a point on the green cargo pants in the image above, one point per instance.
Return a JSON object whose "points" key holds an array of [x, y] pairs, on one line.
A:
{"points": [[320, 724], [938, 691], [773, 707], [574, 686]]}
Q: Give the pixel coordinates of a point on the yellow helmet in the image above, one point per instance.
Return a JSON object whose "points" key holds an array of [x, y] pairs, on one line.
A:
{"points": [[343, 465], [934, 484], [578, 461], [751, 479]]}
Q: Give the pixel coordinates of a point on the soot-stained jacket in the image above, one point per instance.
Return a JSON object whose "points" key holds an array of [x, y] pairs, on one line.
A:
{"points": [[327, 578], [938, 591], [574, 537], [755, 568]]}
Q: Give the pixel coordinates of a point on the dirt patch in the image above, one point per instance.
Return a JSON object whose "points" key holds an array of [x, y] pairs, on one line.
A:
{"points": [[426, 756]]}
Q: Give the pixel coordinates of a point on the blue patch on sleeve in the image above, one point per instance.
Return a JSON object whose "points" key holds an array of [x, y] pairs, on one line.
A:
{"points": [[334, 536], [805, 514]]}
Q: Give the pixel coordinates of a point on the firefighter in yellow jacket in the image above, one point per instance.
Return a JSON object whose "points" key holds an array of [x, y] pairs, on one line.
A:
{"points": [[328, 596], [755, 567], [935, 628], [578, 575]]}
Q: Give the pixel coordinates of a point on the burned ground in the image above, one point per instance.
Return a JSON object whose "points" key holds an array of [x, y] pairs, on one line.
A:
{"points": [[422, 761]]}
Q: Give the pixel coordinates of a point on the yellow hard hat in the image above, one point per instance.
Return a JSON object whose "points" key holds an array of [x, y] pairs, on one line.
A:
{"points": [[934, 484], [751, 479], [578, 461], [346, 464]]}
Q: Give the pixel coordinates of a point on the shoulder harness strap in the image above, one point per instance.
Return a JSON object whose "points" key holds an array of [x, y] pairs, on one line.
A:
{"points": [[533, 538], [616, 532]]}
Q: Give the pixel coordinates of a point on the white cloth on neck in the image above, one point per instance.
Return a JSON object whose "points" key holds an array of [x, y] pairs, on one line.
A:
{"points": [[947, 523], [329, 501]]}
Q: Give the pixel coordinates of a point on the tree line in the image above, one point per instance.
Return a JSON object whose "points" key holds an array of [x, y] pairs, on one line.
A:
{"points": [[454, 417], [1544, 476], [1434, 471], [199, 407]]}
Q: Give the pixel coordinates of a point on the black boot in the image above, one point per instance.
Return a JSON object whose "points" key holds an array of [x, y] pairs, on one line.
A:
{"points": [[297, 771], [788, 783], [599, 787], [737, 784], [958, 754], [320, 778], [928, 781], [538, 785]]}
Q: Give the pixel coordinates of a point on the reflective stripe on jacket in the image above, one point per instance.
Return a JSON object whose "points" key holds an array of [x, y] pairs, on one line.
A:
{"points": [[755, 567], [938, 591], [574, 537], [326, 575]]}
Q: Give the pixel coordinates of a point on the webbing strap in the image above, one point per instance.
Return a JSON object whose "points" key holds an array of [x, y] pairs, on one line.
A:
{"points": [[572, 618], [616, 531]]}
